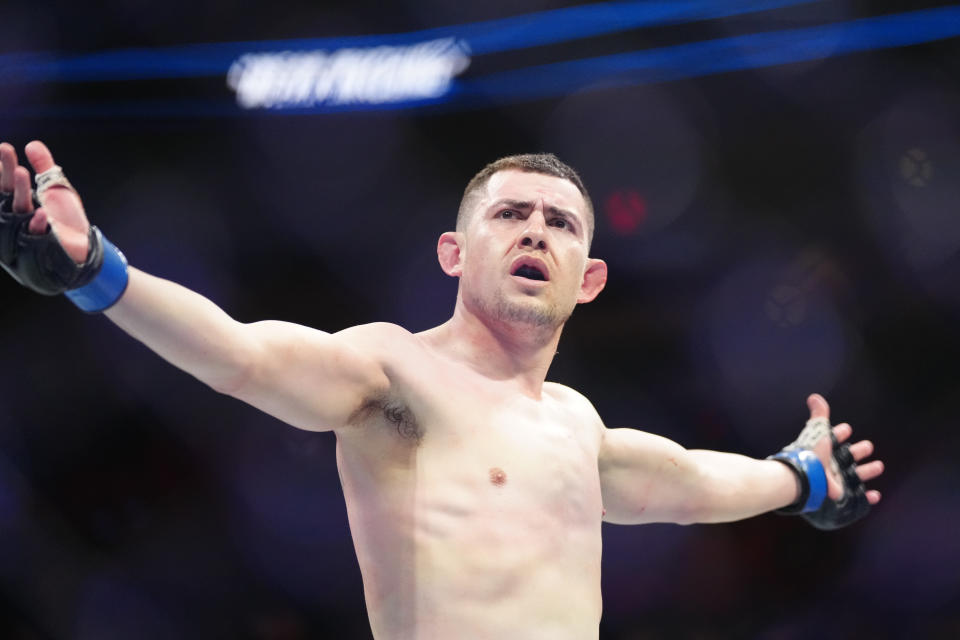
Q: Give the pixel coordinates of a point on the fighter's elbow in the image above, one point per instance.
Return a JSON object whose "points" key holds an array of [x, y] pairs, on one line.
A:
{"points": [[689, 511], [231, 383], [234, 372]]}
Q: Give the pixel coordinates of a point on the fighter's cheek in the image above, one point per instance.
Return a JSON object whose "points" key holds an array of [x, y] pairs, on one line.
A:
{"points": [[565, 284]]}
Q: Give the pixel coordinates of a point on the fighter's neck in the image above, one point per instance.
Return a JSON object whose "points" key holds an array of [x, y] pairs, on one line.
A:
{"points": [[497, 350]]}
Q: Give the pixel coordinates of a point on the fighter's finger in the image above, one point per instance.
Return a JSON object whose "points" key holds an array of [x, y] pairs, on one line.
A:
{"points": [[842, 431], [861, 450], [38, 223], [818, 406], [870, 470], [39, 156], [22, 194], [8, 162], [873, 496]]}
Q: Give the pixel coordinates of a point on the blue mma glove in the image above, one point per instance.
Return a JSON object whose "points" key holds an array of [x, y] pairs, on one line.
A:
{"points": [[814, 504], [39, 262]]}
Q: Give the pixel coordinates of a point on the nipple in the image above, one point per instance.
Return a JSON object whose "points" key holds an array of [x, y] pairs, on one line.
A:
{"points": [[498, 476]]}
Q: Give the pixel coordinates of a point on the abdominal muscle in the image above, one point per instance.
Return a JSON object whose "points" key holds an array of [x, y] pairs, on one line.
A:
{"points": [[453, 546]]}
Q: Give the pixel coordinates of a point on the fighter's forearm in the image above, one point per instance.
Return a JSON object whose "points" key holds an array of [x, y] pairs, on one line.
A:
{"points": [[183, 327], [739, 487]]}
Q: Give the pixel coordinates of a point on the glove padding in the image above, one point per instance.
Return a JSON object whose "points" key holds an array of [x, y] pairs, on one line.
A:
{"points": [[829, 514], [834, 514], [38, 261]]}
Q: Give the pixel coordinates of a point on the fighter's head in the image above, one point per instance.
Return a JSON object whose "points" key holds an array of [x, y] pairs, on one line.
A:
{"points": [[543, 163], [521, 248]]}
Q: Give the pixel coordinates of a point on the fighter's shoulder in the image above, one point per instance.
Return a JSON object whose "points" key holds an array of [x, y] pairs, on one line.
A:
{"points": [[374, 335], [571, 399], [389, 344]]}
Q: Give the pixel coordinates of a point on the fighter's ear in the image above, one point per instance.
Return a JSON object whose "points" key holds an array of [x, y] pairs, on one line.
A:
{"points": [[450, 253], [594, 279]]}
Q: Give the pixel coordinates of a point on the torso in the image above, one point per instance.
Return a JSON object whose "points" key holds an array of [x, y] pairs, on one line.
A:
{"points": [[475, 510]]}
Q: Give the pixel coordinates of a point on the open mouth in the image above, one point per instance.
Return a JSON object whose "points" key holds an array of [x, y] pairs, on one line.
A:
{"points": [[530, 272]]}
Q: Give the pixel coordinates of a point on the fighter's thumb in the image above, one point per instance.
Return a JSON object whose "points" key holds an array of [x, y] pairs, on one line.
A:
{"points": [[818, 406], [39, 156]]}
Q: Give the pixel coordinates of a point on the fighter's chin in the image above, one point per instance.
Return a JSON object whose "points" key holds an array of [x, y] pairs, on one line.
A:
{"points": [[524, 310]]}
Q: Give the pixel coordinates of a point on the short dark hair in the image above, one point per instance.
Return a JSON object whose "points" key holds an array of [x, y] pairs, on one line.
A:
{"points": [[545, 163]]}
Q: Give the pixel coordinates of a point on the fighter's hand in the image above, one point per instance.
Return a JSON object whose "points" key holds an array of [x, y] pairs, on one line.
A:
{"points": [[859, 450], [61, 207]]}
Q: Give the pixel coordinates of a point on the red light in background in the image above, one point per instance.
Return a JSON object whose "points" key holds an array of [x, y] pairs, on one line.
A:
{"points": [[626, 210]]}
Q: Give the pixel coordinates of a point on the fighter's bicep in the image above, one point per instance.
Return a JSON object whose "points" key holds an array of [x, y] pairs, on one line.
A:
{"points": [[308, 378], [645, 478]]}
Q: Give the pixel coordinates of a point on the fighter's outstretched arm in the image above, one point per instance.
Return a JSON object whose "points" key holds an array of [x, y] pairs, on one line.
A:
{"points": [[646, 478], [308, 378]]}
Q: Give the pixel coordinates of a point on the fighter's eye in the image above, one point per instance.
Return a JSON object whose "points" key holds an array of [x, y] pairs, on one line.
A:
{"points": [[560, 223], [508, 213]]}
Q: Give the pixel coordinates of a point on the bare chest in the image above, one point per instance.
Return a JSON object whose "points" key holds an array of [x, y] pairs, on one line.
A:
{"points": [[481, 447], [477, 493], [510, 452]]}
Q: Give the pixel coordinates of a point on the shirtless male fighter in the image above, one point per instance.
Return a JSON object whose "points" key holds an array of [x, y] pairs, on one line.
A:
{"points": [[475, 490]]}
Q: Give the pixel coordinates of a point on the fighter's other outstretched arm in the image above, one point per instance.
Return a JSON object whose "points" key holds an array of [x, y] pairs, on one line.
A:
{"points": [[646, 478], [308, 378]]}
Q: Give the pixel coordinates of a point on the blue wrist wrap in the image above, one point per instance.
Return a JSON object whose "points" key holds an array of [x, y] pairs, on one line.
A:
{"points": [[105, 289], [813, 479]]}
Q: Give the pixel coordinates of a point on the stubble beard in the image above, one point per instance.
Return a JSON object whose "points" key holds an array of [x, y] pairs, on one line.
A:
{"points": [[533, 313]]}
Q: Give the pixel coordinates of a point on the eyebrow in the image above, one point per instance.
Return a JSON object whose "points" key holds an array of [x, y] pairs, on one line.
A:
{"points": [[523, 204]]}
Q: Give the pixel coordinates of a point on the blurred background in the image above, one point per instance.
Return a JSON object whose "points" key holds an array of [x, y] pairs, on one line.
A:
{"points": [[776, 186]]}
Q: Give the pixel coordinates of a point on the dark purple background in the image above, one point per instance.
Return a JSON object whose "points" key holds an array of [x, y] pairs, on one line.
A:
{"points": [[801, 232]]}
